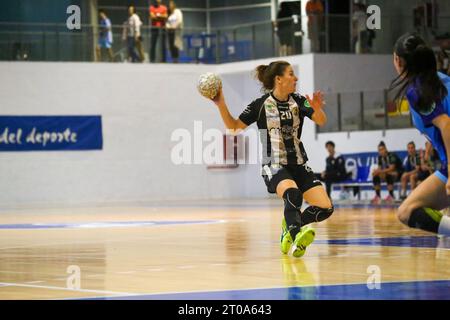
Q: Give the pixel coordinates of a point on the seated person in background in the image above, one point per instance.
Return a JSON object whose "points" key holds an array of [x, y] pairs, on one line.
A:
{"points": [[429, 162], [389, 170], [411, 164], [335, 167]]}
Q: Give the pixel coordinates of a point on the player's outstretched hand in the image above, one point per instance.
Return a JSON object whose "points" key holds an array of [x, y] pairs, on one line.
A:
{"points": [[317, 101], [447, 186]]}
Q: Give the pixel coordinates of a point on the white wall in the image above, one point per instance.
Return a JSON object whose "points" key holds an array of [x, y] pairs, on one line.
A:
{"points": [[141, 105]]}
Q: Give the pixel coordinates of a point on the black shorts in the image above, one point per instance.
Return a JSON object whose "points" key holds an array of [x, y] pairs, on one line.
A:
{"points": [[301, 174], [285, 37], [390, 178]]}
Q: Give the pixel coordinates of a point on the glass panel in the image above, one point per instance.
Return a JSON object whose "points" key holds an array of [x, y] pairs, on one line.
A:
{"points": [[54, 42], [374, 118], [228, 3], [398, 113], [332, 113], [264, 41], [351, 111]]}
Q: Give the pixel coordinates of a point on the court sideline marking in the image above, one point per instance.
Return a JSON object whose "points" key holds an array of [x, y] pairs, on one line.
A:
{"points": [[115, 293]]}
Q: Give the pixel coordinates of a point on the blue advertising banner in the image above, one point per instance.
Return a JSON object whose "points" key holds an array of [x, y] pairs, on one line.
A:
{"points": [[50, 133], [362, 164]]}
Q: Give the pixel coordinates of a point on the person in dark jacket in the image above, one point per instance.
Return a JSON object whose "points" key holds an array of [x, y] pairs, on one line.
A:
{"points": [[335, 167], [284, 29]]}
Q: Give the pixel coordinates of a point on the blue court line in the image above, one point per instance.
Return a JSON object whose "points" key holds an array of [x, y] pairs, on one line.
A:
{"points": [[405, 241], [111, 224], [411, 290]]}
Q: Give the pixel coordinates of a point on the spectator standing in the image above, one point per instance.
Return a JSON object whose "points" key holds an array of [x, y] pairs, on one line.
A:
{"points": [[139, 40], [284, 29], [359, 27], [315, 11], [174, 26], [132, 33], [158, 18], [105, 37]]}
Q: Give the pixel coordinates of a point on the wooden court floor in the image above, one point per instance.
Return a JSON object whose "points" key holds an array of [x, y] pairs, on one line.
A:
{"points": [[215, 250]]}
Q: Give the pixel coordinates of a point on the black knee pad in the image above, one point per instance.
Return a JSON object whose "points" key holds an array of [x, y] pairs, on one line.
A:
{"points": [[316, 214], [426, 219], [376, 180], [390, 179], [293, 198]]}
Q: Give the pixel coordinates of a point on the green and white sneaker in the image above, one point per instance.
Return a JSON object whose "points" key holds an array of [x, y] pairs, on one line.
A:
{"points": [[286, 238], [303, 239]]}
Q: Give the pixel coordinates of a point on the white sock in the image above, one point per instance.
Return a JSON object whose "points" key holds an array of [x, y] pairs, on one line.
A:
{"points": [[444, 226]]}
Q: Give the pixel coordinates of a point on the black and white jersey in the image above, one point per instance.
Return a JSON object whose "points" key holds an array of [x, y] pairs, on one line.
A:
{"points": [[390, 159], [280, 124]]}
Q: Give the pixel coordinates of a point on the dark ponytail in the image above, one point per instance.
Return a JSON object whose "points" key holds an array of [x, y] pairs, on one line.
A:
{"points": [[266, 73], [419, 70], [260, 72]]}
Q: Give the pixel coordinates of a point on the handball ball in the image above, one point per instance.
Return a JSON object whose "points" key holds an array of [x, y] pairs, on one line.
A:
{"points": [[209, 85]]}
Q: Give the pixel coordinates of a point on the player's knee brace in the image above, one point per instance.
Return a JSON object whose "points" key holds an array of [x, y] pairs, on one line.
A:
{"points": [[316, 214], [293, 200], [425, 218], [376, 180]]}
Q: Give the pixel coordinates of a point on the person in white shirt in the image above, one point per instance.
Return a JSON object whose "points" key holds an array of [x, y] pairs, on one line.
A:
{"points": [[139, 41], [360, 32], [174, 26], [132, 34]]}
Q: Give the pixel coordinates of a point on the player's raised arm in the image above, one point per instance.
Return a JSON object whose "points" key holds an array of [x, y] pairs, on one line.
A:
{"points": [[210, 87], [230, 122]]}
